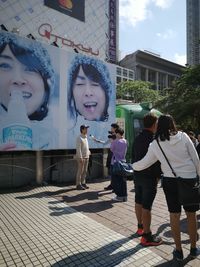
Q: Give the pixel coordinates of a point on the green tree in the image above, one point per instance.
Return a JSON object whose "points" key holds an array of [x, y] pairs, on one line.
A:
{"points": [[183, 101], [137, 91]]}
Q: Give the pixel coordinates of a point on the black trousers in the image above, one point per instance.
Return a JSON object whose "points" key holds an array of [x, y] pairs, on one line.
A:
{"points": [[119, 185], [108, 162]]}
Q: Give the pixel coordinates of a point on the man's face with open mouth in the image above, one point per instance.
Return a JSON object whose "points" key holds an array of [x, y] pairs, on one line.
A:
{"points": [[15, 75], [89, 97]]}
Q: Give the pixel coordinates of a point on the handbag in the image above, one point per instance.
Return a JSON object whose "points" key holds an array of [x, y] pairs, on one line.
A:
{"points": [[122, 168], [188, 188]]}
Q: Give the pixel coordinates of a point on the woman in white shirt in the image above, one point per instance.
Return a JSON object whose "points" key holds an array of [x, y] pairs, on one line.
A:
{"points": [[184, 160]]}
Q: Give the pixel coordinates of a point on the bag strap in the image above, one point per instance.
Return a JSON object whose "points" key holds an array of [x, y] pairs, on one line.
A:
{"points": [[166, 159]]}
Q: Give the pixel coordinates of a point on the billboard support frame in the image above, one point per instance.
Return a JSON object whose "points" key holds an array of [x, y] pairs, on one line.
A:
{"points": [[39, 167]]}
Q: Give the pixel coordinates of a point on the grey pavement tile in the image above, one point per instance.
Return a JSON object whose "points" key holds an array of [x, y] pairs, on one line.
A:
{"points": [[24, 258], [15, 256], [26, 262], [71, 237], [41, 256], [20, 264], [50, 257], [34, 260], [32, 255], [43, 260], [1, 261], [18, 260]]}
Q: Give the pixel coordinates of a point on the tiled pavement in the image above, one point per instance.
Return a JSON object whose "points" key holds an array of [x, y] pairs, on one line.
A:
{"points": [[60, 226]]}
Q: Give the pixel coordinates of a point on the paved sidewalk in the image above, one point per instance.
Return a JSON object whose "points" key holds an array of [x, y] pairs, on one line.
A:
{"points": [[60, 226]]}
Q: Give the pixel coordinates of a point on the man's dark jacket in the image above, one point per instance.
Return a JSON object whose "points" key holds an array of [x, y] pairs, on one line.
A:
{"points": [[140, 148]]}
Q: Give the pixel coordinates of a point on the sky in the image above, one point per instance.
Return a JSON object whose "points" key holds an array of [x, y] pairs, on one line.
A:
{"points": [[158, 26]]}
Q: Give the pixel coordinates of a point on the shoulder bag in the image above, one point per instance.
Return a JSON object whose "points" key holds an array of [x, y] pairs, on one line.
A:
{"points": [[122, 168], [188, 188]]}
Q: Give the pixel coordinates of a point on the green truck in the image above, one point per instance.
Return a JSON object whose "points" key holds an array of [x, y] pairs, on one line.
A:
{"points": [[130, 117]]}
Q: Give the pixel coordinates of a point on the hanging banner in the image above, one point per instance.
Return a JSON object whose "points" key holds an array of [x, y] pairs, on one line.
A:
{"points": [[112, 32], [72, 8]]}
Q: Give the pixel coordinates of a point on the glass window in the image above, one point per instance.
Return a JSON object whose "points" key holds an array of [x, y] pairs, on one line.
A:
{"points": [[152, 76], [119, 71], [162, 81], [138, 126], [125, 72], [119, 79], [143, 74], [131, 74]]}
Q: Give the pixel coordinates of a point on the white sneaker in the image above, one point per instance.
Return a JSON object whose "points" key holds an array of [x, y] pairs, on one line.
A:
{"points": [[119, 199]]}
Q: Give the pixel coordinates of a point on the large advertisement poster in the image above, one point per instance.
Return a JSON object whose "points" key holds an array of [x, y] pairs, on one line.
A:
{"points": [[47, 93], [73, 8]]}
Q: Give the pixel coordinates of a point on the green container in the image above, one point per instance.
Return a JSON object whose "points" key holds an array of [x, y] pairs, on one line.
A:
{"points": [[130, 118]]}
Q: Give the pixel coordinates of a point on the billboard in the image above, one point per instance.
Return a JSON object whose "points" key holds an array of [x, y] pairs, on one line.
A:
{"points": [[47, 93], [73, 8]]}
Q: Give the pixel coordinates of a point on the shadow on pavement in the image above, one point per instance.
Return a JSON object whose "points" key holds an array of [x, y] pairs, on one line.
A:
{"points": [[58, 211], [102, 257], [162, 229], [175, 263], [45, 193], [90, 195], [94, 207]]}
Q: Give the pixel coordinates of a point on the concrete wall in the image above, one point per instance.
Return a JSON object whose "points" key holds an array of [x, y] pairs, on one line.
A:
{"points": [[19, 169]]}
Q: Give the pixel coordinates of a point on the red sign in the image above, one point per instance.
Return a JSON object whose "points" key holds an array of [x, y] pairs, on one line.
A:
{"points": [[45, 30]]}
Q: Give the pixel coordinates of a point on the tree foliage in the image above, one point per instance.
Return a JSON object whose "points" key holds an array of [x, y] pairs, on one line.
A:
{"points": [[183, 101], [137, 91]]}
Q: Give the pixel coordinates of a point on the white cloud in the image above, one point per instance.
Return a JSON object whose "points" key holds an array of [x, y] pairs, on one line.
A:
{"points": [[163, 3], [168, 34], [180, 59], [133, 11]]}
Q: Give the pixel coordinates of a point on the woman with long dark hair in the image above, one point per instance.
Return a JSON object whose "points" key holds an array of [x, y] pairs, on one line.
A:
{"points": [[184, 160]]}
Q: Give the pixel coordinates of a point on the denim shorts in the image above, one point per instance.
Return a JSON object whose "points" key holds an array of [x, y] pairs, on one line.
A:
{"points": [[145, 191], [170, 188]]}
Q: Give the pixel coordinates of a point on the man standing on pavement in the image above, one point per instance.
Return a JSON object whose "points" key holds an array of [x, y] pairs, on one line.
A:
{"points": [[145, 183], [82, 156]]}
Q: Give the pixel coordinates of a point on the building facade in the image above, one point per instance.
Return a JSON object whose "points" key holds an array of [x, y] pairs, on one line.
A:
{"points": [[124, 74], [152, 68], [87, 26], [193, 32]]}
